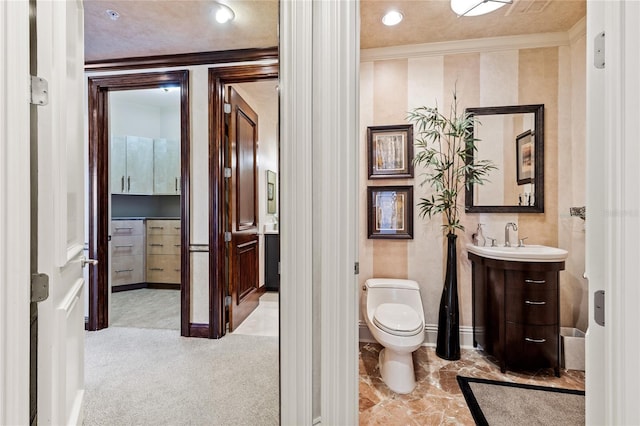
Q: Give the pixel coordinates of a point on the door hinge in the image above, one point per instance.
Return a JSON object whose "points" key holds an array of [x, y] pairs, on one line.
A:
{"points": [[39, 287], [39, 91], [598, 304], [598, 51], [227, 237], [356, 268], [227, 172], [227, 301], [227, 108]]}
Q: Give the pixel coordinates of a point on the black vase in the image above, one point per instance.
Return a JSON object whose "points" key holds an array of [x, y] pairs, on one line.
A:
{"points": [[448, 346]]}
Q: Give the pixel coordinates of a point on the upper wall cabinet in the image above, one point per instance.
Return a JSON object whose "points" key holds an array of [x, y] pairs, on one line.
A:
{"points": [[131, 165], [144, 166], [166, 166]]}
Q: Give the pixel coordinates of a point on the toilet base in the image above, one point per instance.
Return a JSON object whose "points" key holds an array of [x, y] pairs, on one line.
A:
{"points": [[396, 370]]}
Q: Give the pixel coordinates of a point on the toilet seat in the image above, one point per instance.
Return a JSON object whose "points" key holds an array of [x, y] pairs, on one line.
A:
{"points": [[397, 319]]}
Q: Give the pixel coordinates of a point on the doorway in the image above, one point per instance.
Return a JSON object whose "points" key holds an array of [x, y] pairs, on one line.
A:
{"points": [[223, 293], [108, 154]]}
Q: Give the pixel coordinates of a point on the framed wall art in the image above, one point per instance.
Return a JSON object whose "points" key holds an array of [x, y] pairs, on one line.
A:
{"points": [[271, 192], [390, 212], [524, 158], [390, 151]]}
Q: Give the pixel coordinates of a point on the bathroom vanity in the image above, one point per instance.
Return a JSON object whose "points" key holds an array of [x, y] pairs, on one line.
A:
{"points": [[516, 310]]}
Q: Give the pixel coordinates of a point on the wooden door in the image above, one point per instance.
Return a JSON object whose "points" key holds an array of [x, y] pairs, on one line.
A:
{"points": [[242, 211]]}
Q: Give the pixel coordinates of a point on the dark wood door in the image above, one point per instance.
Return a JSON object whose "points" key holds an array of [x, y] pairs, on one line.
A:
{"points": [[242, 211]]}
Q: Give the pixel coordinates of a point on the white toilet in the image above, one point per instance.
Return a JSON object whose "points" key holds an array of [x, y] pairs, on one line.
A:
{"points": [[393, 311]]}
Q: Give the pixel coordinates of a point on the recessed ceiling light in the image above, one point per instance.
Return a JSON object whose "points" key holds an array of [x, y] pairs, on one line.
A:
{"points": [[393, 17], [476, 7], [224, 13], [112, 14]]}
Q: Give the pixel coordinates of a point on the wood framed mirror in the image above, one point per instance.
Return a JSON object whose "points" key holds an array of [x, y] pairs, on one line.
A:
{"points": [[512, 137]]}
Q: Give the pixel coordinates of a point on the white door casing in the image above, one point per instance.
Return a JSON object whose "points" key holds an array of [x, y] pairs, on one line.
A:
{"points": [[61, 212], [14, 212], [613, 221]]}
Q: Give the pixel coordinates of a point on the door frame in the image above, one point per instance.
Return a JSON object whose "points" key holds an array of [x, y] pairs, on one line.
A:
{"points": [[218, 78], [99, 88]]}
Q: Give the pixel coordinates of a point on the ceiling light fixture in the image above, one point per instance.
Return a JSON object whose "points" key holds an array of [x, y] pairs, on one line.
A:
{"points": [[224, 13], [477, 7], [112, 14], [393, 17]]}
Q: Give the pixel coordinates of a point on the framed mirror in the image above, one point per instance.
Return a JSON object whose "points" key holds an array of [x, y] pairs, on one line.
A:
{"points": [[512, 137]]}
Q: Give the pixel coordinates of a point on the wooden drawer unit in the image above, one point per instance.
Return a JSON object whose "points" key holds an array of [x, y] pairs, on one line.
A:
{"points": [[516, 311], [163, 251], [127, 252]]}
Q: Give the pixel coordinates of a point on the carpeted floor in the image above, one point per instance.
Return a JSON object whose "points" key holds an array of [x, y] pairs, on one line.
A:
{"points": [[139, 371], [154, 377], [504, 403]]}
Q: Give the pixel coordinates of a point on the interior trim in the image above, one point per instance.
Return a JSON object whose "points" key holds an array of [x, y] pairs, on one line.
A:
{"points": [[218, 78], [99, 88], [199, 330], [184, 59], [489, 44]]}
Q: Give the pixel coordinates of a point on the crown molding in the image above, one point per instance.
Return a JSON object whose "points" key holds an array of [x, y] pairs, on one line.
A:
{"points": [[489, 44]]}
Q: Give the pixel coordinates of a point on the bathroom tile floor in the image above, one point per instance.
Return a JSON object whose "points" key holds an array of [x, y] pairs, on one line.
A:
{"points": [[437, 399], [264, 320]]}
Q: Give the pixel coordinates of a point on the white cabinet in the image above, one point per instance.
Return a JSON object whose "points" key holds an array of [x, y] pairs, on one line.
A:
{"points": [[131, 165], [166, 166], [127, 252]]}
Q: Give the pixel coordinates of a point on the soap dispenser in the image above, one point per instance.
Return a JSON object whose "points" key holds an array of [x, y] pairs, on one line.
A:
{"points": [[478, 236]]}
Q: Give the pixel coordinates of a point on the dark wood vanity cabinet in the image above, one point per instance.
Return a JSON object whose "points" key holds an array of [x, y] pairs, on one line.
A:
{"points": [[516, 312]]}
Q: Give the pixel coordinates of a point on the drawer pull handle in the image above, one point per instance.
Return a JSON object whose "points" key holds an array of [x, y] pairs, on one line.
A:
{"points": [[535, 281], [176, 245], [177, 270], [530, 340], [123, 270], [157, 227], [123, 227], [156, 269], [532, 302], [124, 246], [176, 227], [156, 245]]}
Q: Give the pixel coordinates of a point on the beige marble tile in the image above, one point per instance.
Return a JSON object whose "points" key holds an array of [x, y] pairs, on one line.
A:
{"points": [[437, 399]]}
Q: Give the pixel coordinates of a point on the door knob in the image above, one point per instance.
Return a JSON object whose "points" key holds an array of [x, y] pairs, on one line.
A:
{"points": [[84, 261]]}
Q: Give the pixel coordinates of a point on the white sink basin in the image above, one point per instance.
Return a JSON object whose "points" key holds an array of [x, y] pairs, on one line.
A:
{"points": [[527, 253]]}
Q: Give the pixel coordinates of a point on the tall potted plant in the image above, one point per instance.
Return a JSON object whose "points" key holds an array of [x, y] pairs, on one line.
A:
{"points": [[445, 147]]}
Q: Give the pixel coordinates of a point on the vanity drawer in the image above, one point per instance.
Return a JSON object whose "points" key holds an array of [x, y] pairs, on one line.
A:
{"points": [[530, 306], [127, 270], [127, 227], [163, 244], [531, 280], [163, 227], [163, 268], [532, 346]]}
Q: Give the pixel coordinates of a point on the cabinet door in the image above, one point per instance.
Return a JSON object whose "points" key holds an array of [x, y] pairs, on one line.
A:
{"points": [[118, 163], [139, 165], [166, 166]]}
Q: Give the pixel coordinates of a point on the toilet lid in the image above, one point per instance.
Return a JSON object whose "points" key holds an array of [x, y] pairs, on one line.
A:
{"points": [[398, 319]]}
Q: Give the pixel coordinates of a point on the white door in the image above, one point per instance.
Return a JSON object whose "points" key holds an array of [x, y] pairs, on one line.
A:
{"points": [[60, 211], [139, 166], [166, 166]]}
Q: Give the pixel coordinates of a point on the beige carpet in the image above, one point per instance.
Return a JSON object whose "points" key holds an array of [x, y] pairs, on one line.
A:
{"points": [[504, 403], [155, 377]]}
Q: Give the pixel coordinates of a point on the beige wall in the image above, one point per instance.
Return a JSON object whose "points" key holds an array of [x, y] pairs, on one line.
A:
{"points": [[553, 76]]}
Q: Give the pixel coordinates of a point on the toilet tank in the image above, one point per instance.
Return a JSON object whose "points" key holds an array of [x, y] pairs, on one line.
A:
{"points": [[392, 283], [391, 290]]}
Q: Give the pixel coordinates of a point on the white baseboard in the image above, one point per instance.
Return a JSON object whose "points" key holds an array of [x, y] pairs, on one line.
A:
{"points": [[431, 335]]}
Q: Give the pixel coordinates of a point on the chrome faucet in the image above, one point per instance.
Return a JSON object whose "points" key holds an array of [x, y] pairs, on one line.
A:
{"points": [[507, 243]]}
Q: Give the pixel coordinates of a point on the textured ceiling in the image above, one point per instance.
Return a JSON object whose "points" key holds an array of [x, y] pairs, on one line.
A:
{"points": [[163, 27]]}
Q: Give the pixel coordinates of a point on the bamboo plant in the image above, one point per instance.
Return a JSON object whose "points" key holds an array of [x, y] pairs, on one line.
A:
{"points": [[445, 146]]}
